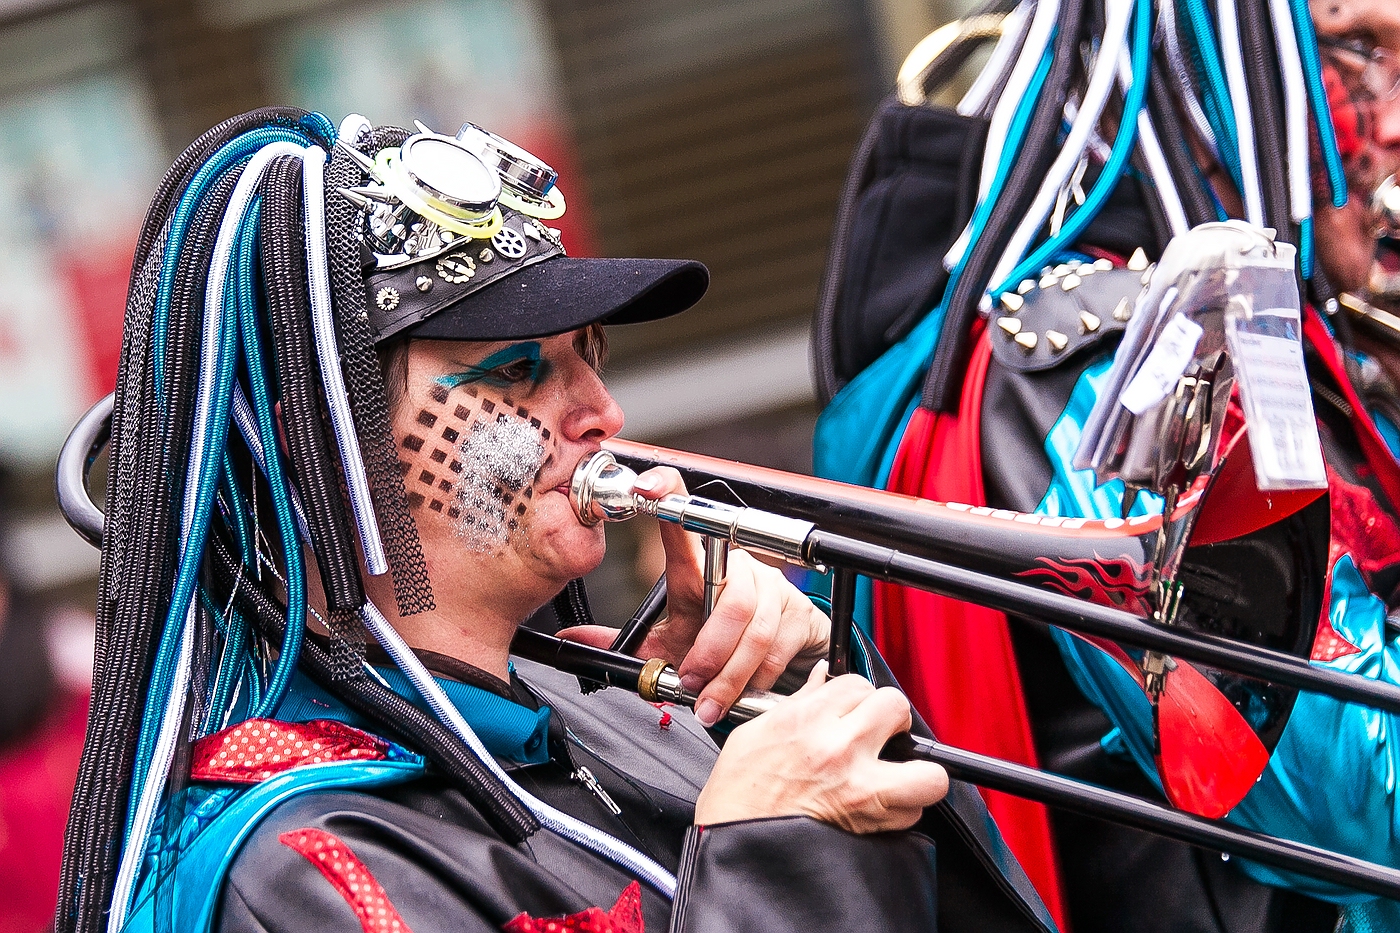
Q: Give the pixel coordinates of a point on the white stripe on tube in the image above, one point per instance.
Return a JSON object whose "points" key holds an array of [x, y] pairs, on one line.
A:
{"points": [[1013, 35], [1176, 64], [328, 356], [1037, 41], [1118, 16], [1295, 108], [1152, 151]]}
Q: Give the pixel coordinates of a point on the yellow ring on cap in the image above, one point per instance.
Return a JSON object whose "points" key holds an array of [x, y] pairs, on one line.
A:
{"points": [[552, 207]]}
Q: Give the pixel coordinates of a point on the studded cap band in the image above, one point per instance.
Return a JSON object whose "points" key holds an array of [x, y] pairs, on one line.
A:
{"points": [[402, 297]]}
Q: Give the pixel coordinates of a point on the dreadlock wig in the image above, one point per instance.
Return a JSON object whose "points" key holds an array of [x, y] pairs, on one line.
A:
{"points": [[250, 435]]}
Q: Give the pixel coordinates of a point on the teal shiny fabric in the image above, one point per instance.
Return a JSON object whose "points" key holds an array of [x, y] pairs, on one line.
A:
{"points": [[857, 435], [1075, 494], [507, 729], [1331, 782], [192, 894], [1332, 779]]}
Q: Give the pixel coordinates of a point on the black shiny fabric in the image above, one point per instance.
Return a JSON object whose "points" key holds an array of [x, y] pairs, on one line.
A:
{"points": [[444, 868]]}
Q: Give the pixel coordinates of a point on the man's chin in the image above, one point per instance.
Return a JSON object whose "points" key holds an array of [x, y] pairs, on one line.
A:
{"points": [[573, 552]]}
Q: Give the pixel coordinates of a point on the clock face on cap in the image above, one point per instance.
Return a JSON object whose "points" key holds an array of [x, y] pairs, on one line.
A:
{"points": [[451, 172]]}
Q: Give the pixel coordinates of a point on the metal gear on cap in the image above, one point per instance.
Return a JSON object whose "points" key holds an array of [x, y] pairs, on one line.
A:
{"points": [[509, 244], [456, 268], [387, 299]]}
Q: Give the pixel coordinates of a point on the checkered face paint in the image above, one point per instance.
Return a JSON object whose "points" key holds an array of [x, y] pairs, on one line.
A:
{"points": [[475, 457]]}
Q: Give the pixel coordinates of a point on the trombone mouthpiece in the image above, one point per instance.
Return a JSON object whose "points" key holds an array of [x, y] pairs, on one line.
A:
{"points": [[601, 490]]}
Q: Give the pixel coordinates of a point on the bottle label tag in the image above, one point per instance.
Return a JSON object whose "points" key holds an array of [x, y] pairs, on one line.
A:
{"points": [[1266, 348]]}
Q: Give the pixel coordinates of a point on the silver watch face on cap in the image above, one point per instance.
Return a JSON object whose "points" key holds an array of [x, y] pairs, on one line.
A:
{"points": [[445, 169]]}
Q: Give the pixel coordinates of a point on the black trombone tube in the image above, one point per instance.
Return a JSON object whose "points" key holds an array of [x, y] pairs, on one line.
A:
{"points": [[1128, 810], [630, 636], [843, 608], [1076, 615], [1052, 789], [598, 664]]}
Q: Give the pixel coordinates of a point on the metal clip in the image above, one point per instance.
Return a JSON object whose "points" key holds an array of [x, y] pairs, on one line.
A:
{"points": [[586, 778]]}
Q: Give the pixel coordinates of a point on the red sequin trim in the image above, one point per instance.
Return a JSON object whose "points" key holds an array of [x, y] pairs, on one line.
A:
{"points": [[256, 750], [349, 876], [1329, 646], [625, 917]]}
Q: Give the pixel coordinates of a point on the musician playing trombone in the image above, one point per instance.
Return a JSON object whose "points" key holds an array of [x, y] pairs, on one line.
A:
{"points": [[1248, 110], [372, 374]]}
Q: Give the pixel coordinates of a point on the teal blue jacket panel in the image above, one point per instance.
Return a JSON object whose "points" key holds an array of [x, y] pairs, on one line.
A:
{"points": [[187, 893]]}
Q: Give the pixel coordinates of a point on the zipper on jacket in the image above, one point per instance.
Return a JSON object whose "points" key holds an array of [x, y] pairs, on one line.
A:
{"points": [[586, 778]]}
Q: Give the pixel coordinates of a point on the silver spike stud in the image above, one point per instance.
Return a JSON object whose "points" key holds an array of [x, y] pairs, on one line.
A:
{"points": [[374, 193], [363, 161], [1012, 301], [356, 198], [1026, 287], [1057, 340], [1138, 261], [1064, 268], [1147, 273], [1088, 322], [423, 283], [1009, 325], [1027, 340], [1103, 265], [1070, 282], [1124, 311], [1049, 279]]}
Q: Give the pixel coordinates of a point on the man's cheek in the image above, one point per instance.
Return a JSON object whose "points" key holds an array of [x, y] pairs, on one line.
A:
{"points": [[475, 459]]}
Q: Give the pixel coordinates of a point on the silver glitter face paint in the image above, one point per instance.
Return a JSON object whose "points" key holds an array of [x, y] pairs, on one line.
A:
{"points": [[499, 460]]}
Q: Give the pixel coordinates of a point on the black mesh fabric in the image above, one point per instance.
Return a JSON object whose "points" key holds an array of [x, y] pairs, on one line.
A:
{"points": [[313, 462], [365, 383]]}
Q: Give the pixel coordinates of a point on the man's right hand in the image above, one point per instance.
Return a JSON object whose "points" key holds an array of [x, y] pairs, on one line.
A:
{"points": [[817, 754]]}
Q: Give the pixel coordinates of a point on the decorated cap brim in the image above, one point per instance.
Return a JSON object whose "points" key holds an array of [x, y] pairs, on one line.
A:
{"points": [[563, 293]]}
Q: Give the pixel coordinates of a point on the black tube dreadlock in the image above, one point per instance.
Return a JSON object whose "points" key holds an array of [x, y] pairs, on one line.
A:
{"points": [[315, 464], [365, 381], [940, 391]]}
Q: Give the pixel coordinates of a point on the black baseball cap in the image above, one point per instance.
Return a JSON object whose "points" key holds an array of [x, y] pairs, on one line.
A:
{"points": [[519, 284]]}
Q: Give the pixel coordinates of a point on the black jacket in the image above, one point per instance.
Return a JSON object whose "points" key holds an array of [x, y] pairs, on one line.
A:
{"points": [[441, 866]]}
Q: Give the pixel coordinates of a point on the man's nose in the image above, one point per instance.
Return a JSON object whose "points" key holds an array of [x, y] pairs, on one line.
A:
{"points": [[595, 416]]}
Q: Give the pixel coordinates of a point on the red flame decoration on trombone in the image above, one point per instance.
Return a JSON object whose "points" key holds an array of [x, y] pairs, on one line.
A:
{"points": [[1118, 582]]}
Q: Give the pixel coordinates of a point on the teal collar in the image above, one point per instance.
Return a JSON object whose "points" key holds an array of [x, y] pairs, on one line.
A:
{"points": [[507, 729]]}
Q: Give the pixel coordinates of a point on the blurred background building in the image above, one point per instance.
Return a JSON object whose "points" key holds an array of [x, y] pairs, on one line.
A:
{"points": [[712, 129]]}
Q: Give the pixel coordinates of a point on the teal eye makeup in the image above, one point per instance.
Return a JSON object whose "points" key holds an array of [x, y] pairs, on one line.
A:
{"points": [[516, 364]]}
